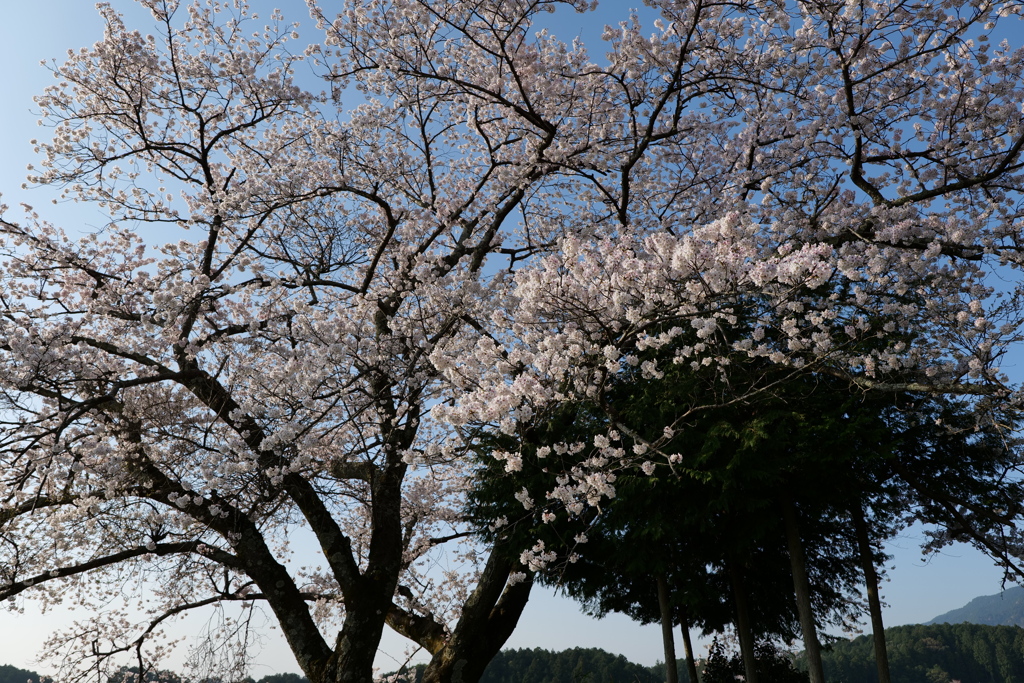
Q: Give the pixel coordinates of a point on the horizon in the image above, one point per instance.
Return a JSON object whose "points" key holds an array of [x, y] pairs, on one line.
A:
{"points": [[699, 654]]}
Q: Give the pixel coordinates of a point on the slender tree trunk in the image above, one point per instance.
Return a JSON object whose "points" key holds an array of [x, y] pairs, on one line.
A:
{"points": [[802, 588], [874, 604], [664, 605], [691, 663], [744, 629]]}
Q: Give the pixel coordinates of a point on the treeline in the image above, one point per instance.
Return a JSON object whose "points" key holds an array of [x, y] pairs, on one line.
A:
{"points": [[578, 665], [130, 675], [12, 674], [938, 653], [593, 665], [535, 665]]}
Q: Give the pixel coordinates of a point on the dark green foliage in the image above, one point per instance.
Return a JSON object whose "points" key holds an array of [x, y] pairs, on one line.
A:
{"points": [[283, 678], [773, 665], [721, 502], [934, 654], [12, 674], [893, 455], [1002, 609]]}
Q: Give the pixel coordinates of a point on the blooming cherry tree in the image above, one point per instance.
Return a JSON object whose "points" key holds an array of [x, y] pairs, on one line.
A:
{"points": [[301, 297]]}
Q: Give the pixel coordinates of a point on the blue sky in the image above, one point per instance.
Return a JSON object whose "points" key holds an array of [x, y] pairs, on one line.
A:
{"points": [[46, 29]]}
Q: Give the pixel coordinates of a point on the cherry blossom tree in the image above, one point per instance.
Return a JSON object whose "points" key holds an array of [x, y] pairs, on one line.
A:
{"points": [[302, 297], [245, 348]]}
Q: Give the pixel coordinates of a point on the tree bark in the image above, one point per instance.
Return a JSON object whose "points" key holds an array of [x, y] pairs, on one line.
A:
{"points": [[664, 605], [802, 588], [871, 585], [744, 628], [366, 609], [357, 643], [691, 662], [488, 619]]}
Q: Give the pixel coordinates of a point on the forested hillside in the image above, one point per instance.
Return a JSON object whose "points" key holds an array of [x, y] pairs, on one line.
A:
{"points": [[934, 654], [578, 665], [12, 674]]}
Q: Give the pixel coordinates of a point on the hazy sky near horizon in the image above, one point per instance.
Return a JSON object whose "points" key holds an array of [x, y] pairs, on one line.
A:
{"points": [[45, 30]]}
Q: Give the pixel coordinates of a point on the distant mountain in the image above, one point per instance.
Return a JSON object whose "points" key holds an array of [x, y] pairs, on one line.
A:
{"points": [[1002, 609]]}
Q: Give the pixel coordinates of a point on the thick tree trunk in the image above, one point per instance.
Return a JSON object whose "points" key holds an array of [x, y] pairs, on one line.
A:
{"points": [[488, 619], [874, 604], [744, 629], [691, 662], [357, 642], [802, 588], [665, 606], [369, 598]]}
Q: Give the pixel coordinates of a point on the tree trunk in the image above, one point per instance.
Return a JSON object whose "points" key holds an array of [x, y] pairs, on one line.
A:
{"points": [[488, 619], [744, 628], [664, 605], [691, 662], [357, 643], [874, 604], [802, 588]]}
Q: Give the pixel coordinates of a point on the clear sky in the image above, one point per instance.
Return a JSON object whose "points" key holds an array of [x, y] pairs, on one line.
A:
{"points": [[46, 29]]}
